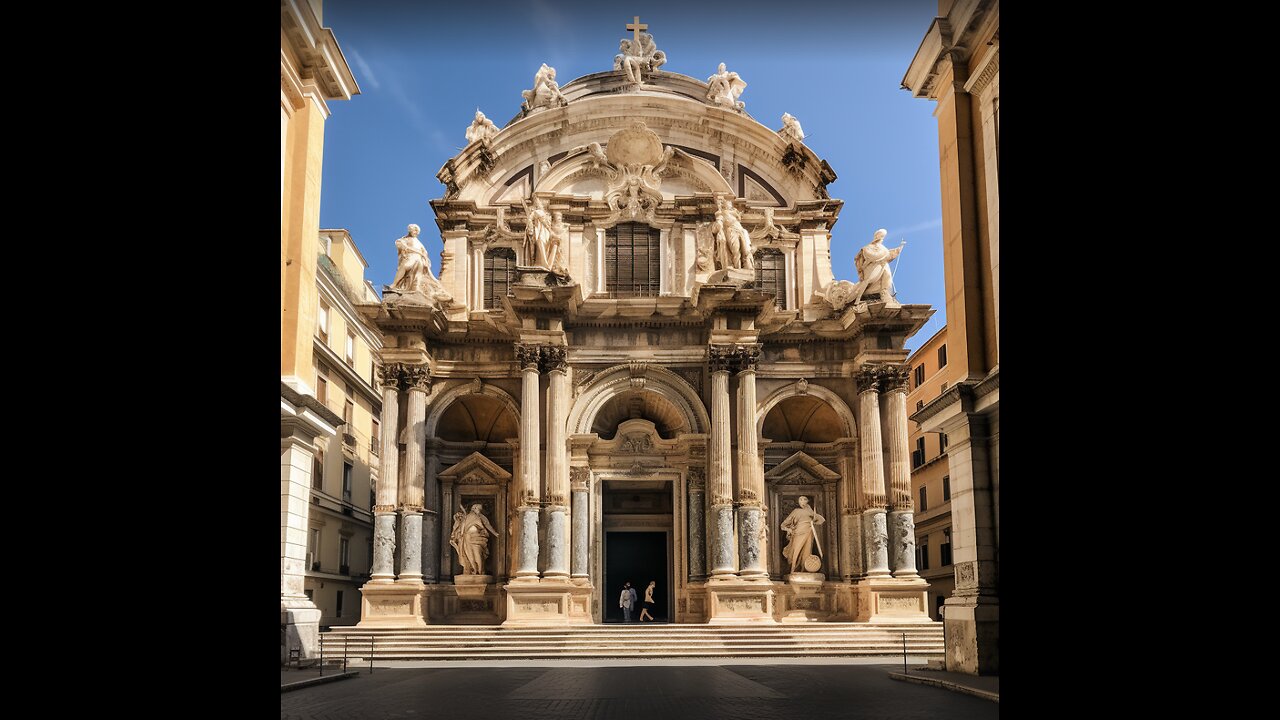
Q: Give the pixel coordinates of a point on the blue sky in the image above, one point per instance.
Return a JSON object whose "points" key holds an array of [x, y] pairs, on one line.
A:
{"points": [[423, 69]]}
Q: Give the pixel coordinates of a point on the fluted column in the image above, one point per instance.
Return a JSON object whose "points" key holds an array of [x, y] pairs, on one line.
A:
{"points": [[431, 521], [875, 534], [720, 480], [527, 544], [387, 489], [446, 528], [750, 468], [902, 527], [697, 542], [554, 362], [413, 478], [580, 484]]}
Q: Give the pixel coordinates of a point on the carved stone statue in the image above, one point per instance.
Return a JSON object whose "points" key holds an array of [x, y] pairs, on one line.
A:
{"points": [[872, 262], [413, 268], [724, 87], [737, 241], [537, 234], [791, 128], [634, 59], [557, 244], [545, 91], [470, 539], [633, 168], [802, 537], [482, 128]]}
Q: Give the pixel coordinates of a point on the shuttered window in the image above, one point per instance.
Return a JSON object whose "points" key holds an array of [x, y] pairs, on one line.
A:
{"points": [[631, 260], [771, 275], [499, 269]]}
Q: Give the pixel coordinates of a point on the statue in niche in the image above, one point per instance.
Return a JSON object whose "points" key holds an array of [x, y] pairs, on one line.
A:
{"points": [[802, 537], [635, 58], [545, 91], [791, 128], [724, 87], [470, 539], [537, 234], [872, 263], [482, 128], [557, 244], [736, 242], [413, 268]]}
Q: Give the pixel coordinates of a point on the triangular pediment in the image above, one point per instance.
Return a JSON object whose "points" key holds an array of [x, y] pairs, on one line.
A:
{"points": [[801, 469], [476, 469]]}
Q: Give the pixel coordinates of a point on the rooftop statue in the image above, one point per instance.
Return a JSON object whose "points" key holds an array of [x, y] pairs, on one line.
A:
{"points": [[724, 87], [482, 128], [638, 55], [791, 128], [545, 91]]}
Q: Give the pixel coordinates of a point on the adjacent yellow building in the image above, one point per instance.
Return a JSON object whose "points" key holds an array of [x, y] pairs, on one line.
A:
{"points": [[313, 72], [958, 66]]}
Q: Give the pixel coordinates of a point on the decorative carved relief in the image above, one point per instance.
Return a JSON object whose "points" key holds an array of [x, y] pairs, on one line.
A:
{"points": [[966, 576], [802, 387], [637, 443], [416, 377], [553, 358], [391, 376]]}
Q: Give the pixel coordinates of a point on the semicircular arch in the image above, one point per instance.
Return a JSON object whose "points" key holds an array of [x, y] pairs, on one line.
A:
{"points": [[617, 379]]}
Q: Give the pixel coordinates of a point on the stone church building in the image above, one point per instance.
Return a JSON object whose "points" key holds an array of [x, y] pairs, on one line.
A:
{"points": [[633, 364]]}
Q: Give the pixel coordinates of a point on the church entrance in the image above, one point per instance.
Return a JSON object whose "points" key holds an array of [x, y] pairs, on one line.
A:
{"points": [[637, 546]]}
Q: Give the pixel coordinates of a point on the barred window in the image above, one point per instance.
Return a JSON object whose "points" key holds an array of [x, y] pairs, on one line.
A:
{"points": [[771, 275], [499, 269], [631, 258]]}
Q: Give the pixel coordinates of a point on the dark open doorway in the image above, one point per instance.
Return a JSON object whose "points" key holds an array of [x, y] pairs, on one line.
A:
{"points": [[638, 557]]}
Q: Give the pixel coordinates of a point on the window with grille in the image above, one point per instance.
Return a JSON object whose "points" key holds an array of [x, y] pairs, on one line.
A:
{"points": [[771, 275], [631, 260], [499, 271]]}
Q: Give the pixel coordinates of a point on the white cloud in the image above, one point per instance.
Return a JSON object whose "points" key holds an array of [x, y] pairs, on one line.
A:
{"points": [[366, 72], [927, 225]]}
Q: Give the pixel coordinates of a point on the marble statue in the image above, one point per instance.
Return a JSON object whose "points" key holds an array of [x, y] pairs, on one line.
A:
{"points": [[724, 87], [872, 262], [737, 241], [537, 234], [470, 539], [557, 244], [791, 128], [545, 91], [482, 128], [802, 536], [413, 268], [635, 57]]}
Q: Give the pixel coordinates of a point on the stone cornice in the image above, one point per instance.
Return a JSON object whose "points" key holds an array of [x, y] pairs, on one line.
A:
{"points": [[311, 403], [965, 392], [317, 51], [983, 74]]}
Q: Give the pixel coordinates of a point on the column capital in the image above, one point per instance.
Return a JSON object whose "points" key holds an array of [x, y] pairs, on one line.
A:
{"points": [[528, 355], [553, 358], [416, 377], [580, 478], [895, 378], [390, 376], [697, 480], [733, 358], [874, 377]]}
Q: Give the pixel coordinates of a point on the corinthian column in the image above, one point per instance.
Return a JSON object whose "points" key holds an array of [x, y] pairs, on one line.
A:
{"points": [[527, 547], [875, 534], [902, 527], [412, 480], [553, 361], [750, 468], [384, 507], [719, 467]]}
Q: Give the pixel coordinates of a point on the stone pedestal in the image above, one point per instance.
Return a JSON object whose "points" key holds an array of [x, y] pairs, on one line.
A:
{"points": [[392, 605], [893, 600], [549, 602], [731, 276], [301, 620], [804, 599], [737, 600]]}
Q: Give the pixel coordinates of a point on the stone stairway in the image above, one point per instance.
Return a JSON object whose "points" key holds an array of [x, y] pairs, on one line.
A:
{"points": [[493, 642]]}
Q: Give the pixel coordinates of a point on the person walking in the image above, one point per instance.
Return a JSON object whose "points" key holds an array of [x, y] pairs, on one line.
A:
{"points": [[627, 600], [648, 601]]}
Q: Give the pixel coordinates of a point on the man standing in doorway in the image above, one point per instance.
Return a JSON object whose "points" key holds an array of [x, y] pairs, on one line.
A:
{"points": [[627, 600]]}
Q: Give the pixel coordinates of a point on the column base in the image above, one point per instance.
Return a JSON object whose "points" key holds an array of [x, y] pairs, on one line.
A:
{"points": [[393, 605], [892, 600], [972, 632], [550, 602], [301, 620], [739, 600]]}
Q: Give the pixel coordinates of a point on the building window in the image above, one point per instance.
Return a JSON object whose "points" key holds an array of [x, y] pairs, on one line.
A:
{"points": [[946, 487], [313, 549], [922, 554], [317, 468], [631, 258], [499, 268], [942, 442], [344, 556], [942, 356], [322, 386], [346, 482], [917, 455], [339, 611], [924, 499], [322, 321], [771, 275], [946, 547], [919, 371], [376, 441], [351, 348], [348, 411]]}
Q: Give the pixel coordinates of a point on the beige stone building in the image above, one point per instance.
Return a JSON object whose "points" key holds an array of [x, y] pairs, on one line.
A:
{"points": [[931, 374], [637, 364], [312, 73], [958, 66]]}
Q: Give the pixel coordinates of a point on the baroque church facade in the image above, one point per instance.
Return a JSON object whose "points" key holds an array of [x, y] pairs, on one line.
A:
{"points": [[636, 364]]}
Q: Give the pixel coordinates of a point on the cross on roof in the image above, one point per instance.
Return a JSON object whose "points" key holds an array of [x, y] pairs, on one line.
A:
{"points": [[635, 25]]}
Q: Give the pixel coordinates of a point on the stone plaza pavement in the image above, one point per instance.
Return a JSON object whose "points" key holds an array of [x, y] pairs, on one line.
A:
{"points": [[654, 689]]}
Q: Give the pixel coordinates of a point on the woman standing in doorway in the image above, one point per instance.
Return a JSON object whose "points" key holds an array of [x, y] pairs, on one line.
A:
{"points": [[648, 601]]}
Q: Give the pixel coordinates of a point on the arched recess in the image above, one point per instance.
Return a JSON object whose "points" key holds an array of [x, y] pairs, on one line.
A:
{"points": [[618, 379], [461, 388], [846, 417]]}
